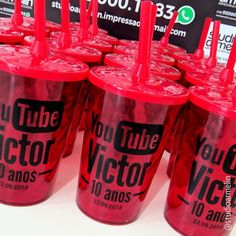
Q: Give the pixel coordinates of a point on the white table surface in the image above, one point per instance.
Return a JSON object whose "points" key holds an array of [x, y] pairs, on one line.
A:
{"points": [[60, 216]]}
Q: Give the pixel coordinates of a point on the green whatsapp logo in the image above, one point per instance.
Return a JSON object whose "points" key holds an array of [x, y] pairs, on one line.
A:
{"points": [[186, 15]]}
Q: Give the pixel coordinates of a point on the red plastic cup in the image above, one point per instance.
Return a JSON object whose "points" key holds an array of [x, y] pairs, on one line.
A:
{"points": [[126, 128], [62, 46], [212, 77], [196, 62], [198, 77], [202, 192], [197, 67], [158, 69], [92, 57], [38, 102]]}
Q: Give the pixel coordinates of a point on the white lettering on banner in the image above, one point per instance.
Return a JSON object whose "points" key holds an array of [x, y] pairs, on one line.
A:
{"points": [[57, 5], [229, 2], [136, 23]]}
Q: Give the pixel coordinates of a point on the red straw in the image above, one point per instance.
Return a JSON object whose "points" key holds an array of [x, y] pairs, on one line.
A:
{"points": [[212, 59], [83, 21], [199, 53], [17, 18], [65, 36], [39, 48], [95, 17], [227, 75], [165, 39], [154, 13], [89, 13], [142, 68]]}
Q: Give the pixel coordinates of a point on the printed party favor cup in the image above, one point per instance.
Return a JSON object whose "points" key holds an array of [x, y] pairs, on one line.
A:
{"points": [[37, 104], [126, 129], [38, 97], [202, 193]]}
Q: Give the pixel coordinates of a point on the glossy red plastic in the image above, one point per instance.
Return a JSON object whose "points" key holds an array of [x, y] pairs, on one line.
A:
{"points": [[81, 52], [118, 164], [8, 34], [204, 78], [38, 101], [201, 196], [158, 69], [156, 55]]}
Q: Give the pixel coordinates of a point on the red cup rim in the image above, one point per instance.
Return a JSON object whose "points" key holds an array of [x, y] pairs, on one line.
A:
{"points": [[215, 99], [18, 60], [119, 81]]}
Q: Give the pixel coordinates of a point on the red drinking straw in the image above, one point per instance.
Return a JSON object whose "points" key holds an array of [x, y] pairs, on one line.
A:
{"points": [[199, 53], [94, 17], [65, 36], [142, 68], [212, 59], [39, 48], [227, 75], [17, 18], [165, 39], [154, 13], [83, 21]]}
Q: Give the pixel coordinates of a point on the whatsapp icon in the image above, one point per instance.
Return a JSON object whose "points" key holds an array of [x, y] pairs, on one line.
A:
{"points": [[186, 15]]}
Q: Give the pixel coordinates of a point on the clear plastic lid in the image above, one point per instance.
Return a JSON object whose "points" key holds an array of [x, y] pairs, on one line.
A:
{"points": [[18, 60], [121, 82]]}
